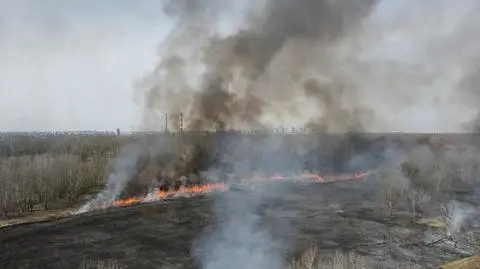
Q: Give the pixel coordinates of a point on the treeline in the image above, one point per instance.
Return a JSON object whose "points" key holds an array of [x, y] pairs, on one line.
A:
{"points": [[47, 173]]}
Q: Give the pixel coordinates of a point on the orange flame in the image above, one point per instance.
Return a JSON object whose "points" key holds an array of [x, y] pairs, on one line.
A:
{"points": [[197, 189], [313, 177], [191, 189], [360, 175], [164, 194]]}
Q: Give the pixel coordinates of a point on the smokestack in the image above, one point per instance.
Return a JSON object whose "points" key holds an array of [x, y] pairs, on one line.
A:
{"points": [[181, 123], [166, 122]]}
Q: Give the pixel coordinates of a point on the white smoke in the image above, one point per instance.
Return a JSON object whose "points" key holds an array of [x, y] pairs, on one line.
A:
{"points": [[241, 239], [123, 170], [456, 215], [409, 61]]}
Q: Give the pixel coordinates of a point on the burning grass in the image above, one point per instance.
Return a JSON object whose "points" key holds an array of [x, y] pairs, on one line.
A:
{"points": [[246, 183], [158, 194]]}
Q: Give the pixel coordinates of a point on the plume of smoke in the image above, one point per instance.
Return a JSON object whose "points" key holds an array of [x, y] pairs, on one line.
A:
{"points": [[240, 239], [235, 80], [336, 65], [456, 215], [123, 171]]}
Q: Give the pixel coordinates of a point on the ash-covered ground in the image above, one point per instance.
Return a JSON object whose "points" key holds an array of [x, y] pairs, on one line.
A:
{"points": [[166, 234]]}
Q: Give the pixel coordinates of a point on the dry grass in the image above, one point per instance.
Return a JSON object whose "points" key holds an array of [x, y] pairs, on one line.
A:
{"points": [[37, 217], [313, 259], [467, 263], [435, 222]]}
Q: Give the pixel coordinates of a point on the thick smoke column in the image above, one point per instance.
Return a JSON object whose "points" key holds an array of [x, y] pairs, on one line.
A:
{"points": [[336, 65], [230, 80]]}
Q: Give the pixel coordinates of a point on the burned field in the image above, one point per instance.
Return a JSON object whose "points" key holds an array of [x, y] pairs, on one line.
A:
{"points": [[191, 197], [417, 206]]}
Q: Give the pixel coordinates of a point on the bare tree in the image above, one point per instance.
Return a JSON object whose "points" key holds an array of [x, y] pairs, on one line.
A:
{"points": [[414, 197], [393, 185]]}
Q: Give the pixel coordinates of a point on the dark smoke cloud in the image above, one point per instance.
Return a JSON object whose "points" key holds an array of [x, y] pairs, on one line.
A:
{"points": [[469, 95], [228, 80], [335, 114]]}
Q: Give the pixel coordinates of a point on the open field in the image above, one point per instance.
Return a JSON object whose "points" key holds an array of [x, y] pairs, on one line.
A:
{"points": [[415, 210]]}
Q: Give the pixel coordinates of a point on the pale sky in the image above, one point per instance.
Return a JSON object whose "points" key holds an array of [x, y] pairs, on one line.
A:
{"points": [[71, 64]]}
